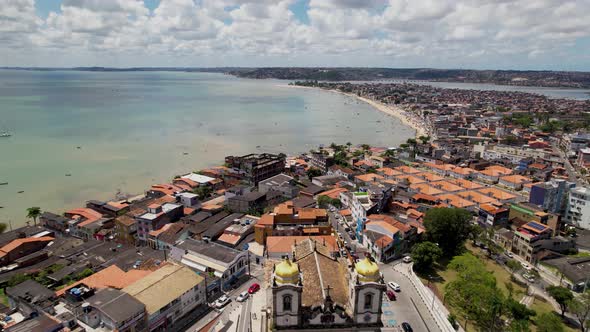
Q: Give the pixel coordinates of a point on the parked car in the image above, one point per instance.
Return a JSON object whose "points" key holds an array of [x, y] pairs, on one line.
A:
{"points": [[526, 266], [254, 288], [394, 286], [509, 254], [222, 301], [243, 296], [407, 327], [390, 295], [407, 259]]}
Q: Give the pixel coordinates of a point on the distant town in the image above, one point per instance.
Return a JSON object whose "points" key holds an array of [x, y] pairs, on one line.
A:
{"points": [[487, 207]]}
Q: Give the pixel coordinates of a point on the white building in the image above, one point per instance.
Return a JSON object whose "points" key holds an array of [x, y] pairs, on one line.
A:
{"points": [[578, 208]]}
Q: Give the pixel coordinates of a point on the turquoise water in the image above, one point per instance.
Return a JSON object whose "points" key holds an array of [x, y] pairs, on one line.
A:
{"points": [[134, 128]]}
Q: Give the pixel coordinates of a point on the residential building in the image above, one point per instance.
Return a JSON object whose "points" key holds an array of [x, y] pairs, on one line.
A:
{"points": [[238, 230], [281, 183], [583, 157], [111, 209], [552, 195], [19, 248], [341, 171], [86, 222], [157, 215], [575, 142], [168, 235], [491, 215], [578, 208], [188, 200], [114, 310], [282, 246], [387, 238], [204, 257], [574, 271], [168, 293], [514, 182], [528, 212], [54, 222], [126, 229], [249, 202], [327, 180], [287, 220], [31, 298], [257, 167], [320, 161], [526, 242]]}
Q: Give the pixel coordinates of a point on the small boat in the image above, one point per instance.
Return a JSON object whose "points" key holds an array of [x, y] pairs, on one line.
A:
{"points": [[258, 146], [20, 192], [185, 153], [68, 174], [78, 147], [5, 134], [3, 183]]}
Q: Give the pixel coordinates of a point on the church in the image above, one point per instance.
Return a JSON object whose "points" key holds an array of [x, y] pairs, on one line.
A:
{"points": [[316, 291]]}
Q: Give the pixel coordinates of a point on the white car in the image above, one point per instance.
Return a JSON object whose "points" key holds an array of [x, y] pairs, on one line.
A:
{"points": [[222, 301], [407, 259], [394, 286], [509, 254], [526, 266], [243, 296]]}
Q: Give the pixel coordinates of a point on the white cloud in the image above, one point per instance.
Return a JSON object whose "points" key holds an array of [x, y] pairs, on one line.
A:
{"points": [[442, 33]]}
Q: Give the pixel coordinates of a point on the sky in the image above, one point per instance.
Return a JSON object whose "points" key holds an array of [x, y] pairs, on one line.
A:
{"points": [[475, 34]]}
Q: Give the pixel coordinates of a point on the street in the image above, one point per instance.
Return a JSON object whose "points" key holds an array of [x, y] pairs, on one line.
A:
{"points": [[408, 306]]}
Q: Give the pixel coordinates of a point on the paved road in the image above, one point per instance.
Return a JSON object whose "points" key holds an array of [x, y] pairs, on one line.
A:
{"points": [[408, 307], [354, 244]]}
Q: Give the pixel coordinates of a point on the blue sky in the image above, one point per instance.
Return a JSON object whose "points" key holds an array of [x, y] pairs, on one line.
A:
{"points": [[389, 33]]}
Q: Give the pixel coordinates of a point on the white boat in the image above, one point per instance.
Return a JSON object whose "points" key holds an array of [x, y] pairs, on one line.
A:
{"points": [[5, 134]]}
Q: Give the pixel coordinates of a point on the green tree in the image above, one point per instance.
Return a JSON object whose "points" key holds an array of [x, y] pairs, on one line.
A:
{"points": [[514, 266], [580, 308], [562, 296], [33, 213], [424, 139], [203, 191], [474, 293], [425, 254], [313, 172], [519, 326], [449, 227], [548, 322], [365, 147], [17, 279], [3, 227], [323, 201]]}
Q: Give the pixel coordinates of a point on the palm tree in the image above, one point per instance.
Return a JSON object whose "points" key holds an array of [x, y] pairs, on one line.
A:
{"points": [[424, 139], [33, 213]]}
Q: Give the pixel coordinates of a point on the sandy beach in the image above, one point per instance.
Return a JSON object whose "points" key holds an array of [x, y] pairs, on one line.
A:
{"points": [[395, 111]]}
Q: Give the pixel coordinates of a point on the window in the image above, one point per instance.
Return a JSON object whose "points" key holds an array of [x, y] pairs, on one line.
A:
{"points": [[287, 302], [368, 300]]}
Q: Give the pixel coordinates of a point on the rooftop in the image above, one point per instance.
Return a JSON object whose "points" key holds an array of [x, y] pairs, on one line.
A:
{"points": [[162, 286], [210, 250], [117, 305]]}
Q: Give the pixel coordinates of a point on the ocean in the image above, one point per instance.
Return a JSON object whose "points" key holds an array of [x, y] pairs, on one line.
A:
{"points": [[121, 132]]}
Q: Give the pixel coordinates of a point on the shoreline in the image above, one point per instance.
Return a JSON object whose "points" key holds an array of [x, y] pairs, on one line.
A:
{"points": [[394, 111]]}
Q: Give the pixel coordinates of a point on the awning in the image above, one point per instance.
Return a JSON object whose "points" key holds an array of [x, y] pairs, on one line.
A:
{"points": [[193, 265], [311, 230]]}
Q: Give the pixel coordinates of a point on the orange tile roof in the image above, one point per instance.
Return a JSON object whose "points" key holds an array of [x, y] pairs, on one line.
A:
{"points": [[477, 197], [385, 225], [431, 177], [369, 177], [157, 232], [281, 244], [383, 241], [334, 193], [466, 183], [497, 193], [446, 186], [499, 169], [112, 276], [266, 219], [463, 170], [490, 208], [364, 162], [388, 171], [425, 197], [456, 201], [88, 214], [407, 170], [516, 179], [229, 238], [345, 212], [410, 178], [167, 188], [390, 220], [14, 244], [426, 189]]}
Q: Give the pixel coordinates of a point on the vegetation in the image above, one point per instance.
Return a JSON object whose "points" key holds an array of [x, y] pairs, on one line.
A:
{"points": [[562, 296], [425, 254], [324, 201], [449, 228], [17, 279], [203, 192], [313, 172], [548, 322], [522, 119], [3, 227], [514, 266], [33, 213], [580, 308]]}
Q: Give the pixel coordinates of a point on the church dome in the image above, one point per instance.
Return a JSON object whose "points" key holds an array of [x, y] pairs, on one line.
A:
{"points": [[287, 272], [367, 269]]}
